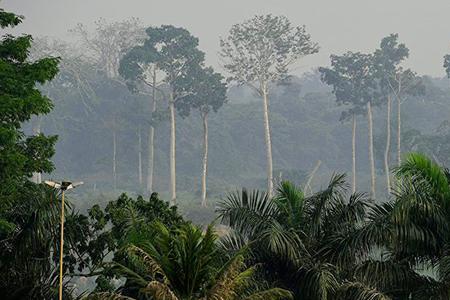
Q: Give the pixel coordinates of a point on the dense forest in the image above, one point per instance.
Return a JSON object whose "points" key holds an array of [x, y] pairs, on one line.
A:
{"points": [[248, 182]]}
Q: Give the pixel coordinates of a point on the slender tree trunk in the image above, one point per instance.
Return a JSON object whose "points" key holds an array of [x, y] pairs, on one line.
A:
{"points": [[388, 145], [353, 153], [151, 155], [311, 176], [37, 176], [371, 156], [205, 157], [399, 131], [140, 156], [151, 140], [173, 184], [114, 162], [268, 141]]}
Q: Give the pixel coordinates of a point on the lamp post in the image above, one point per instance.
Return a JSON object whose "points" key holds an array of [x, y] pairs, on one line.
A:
{"points": [[62, 186]]}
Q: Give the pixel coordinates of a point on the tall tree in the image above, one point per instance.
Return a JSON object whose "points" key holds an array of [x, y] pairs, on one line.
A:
{"points": [[139, 69], [20, 156], [259, 52], [68, 66], [371, 97], [387, 60], [109, 42], [174, 52], [209, 94], [407, 83], [27, 217], [105, 47], [347, 75]]}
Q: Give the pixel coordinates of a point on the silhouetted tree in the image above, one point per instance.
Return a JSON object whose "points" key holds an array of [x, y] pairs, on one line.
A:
{"points": [[174, 52], [348, 77], [209, 94], [387, 60], [259, 52]]}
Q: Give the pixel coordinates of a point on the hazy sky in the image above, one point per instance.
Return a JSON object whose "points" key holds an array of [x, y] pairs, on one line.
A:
{"points": [[337, 25]]}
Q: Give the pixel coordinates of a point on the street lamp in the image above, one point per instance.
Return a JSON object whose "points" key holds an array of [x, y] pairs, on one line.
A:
{"points": [[62, 186]]}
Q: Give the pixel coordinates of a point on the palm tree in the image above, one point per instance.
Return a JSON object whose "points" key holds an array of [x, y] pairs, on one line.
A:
{"points": [[292, 236], [409, 235], [186, 263], [29, 244]]}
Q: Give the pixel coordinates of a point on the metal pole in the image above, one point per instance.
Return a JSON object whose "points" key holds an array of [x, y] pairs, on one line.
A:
{"points": [[61, 248]]}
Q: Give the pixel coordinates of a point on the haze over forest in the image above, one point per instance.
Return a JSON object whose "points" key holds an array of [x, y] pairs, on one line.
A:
{"points": [[224, 150], [336, 25]]}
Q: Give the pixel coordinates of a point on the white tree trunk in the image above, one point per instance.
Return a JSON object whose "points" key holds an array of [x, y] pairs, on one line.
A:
{"points": [[114, 160], [268, 141], [310, 178], [371, 156], [140, 156], [37, 176], [388, 145], [353, 153], [173, 184], [151, 141], [399, 131], [205, 157], [151, 155]]}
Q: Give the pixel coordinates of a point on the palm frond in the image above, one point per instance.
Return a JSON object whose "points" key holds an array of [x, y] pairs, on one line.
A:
{"points": [[420, 168], [233, 242], [159, 291], [230, 279], [318, 282], [377, 231], [154, 269], [246, 211], [419, 222], [320, 204], [444, 269], [353, 212], [126, 272], [359, 291], [391, 276], [290, 201], [283, 242]]}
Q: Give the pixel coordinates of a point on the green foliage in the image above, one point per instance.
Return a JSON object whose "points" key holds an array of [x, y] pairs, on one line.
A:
{"points": [[186, 263], [20, 100], [393, 78], [330, 245], [351, 76], [411, 232], [171, 50], [263, 48], [29, 217], [8, 19], [209, 92], [387, 59], [292, 235], [104, 231], [29, 248], [130, 217]]}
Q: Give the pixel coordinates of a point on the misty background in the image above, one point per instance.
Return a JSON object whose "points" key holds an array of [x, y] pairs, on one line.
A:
{"points": [[337, 26], [305, 120]]}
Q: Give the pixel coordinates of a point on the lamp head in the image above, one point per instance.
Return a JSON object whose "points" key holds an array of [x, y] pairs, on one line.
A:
{"points": [[52, 184], [64, 185]]}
